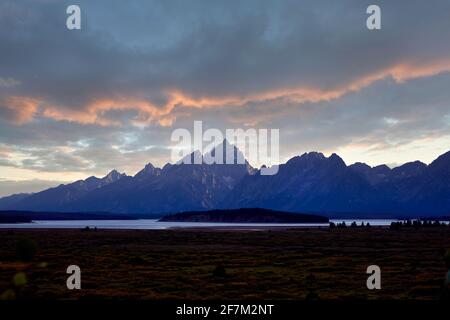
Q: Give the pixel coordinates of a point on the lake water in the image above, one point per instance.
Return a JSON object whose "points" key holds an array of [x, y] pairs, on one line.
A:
{"points": [[151, 224]]}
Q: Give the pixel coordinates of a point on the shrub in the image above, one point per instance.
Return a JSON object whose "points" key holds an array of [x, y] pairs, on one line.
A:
{"points": [[26, 249], [311, 282], [396, 225], [220, 271], [136, 260], [447, 258], [8, 295], [20, 279], [417, 224], [312, 296]]}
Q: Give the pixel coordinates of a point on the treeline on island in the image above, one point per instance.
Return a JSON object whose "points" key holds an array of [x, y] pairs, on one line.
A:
{"points": [[395, 225], [417, 224]]}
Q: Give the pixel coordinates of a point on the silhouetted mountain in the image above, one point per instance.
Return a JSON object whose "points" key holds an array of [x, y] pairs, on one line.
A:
{"points": [[13, 200], [148, 172], [307, 183], [61, 197], [152, 190], [315, 183], [431, 188]]}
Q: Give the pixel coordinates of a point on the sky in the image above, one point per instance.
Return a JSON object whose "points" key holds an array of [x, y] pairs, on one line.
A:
{"points": [[77, 103]]}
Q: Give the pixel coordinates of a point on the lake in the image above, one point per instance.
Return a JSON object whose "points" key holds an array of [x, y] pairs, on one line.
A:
{"points": [[153, 224]]}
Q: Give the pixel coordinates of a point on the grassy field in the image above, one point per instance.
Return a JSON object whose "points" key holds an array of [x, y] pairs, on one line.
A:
{"points": [[202, 264]]}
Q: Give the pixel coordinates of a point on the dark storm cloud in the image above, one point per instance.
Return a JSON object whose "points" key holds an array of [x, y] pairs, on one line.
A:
{"points": [[208, 48]]}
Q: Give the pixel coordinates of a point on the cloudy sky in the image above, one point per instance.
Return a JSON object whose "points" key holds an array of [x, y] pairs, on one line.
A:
{"points": [[80, 103]]}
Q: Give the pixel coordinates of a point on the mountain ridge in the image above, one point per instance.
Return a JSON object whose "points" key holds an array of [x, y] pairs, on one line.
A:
{"points": [[310, 182]]}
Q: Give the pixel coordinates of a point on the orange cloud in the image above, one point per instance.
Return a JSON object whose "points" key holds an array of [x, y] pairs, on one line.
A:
{"points": [[94, 112], [19, 109], [23, 109], [148, 112], [400, 73], [403, 72]]}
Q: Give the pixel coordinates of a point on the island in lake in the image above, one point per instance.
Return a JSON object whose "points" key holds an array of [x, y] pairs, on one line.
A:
{"points": [[247, 215]]}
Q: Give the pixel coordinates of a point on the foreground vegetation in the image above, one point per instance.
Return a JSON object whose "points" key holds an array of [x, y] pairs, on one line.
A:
{"points": [[225, 264]]}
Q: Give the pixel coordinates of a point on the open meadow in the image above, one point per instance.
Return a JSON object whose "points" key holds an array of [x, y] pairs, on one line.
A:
{"points": [[225, 264]]}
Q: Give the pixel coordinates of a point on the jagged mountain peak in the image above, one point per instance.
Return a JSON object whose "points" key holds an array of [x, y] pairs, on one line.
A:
{"points": [[113, 176], [337, 160], [223, 153], [415, 165], [382, 169], [149, 167], [360, 166], [91, 179], [148, 171], [313, 155], [226, 153], [443, 161], [410, 169], [316, 157]]}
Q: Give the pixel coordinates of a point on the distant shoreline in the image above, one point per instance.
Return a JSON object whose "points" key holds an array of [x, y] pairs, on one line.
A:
{"points": [[12, 217]]}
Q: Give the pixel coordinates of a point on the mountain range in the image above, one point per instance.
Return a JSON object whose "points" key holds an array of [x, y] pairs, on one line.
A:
{"points": [[310, 183]]}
